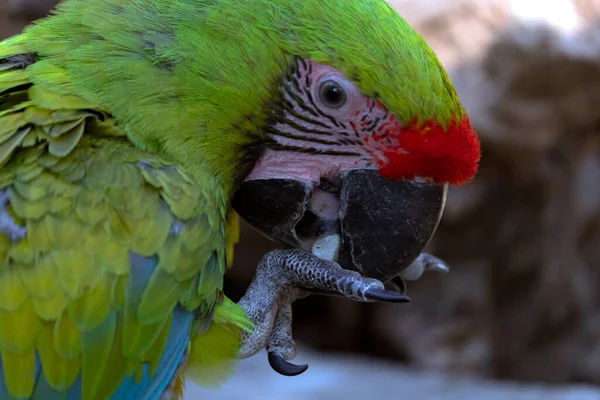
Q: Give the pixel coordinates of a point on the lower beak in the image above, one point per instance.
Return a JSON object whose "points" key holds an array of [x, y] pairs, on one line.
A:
{"points": [[384, 225]]}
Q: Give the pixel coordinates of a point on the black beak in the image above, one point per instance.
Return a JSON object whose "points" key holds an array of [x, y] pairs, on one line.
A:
{"points": [[384, 225]]}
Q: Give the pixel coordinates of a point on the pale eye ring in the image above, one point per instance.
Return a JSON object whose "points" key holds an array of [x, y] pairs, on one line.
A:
{"points": [[332, 94]]}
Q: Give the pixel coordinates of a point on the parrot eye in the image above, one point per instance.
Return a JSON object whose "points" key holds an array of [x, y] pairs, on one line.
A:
{"points": [[332, 94]]}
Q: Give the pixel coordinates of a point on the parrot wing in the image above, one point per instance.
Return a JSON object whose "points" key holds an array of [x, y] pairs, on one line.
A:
{"points": [[112, 257]]}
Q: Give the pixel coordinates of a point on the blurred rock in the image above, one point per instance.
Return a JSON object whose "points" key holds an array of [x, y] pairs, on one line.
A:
{"points": [[525, 278]]}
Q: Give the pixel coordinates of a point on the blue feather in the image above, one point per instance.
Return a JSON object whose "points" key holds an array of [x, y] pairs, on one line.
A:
{"points": [[174, 349], [150, 388]]}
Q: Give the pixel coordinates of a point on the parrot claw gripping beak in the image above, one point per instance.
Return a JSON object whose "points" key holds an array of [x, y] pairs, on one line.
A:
{"points": [[284, 276], [376, 234]]}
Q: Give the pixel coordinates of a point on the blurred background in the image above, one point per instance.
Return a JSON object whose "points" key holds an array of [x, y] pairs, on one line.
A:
{"points": [[521, 303]]}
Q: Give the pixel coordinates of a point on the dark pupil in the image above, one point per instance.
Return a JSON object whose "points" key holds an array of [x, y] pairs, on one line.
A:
{"points": [[333, 95]]}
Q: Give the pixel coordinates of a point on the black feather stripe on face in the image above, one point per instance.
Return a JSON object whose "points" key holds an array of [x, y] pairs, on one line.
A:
{"points": [[300, 124]]}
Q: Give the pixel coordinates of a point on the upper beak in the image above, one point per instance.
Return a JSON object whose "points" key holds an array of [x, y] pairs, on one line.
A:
{"points": [[384, 224]]}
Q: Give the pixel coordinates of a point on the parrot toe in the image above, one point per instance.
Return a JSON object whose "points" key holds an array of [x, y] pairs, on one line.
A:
{"points": [[433, 263], [425, 262]]}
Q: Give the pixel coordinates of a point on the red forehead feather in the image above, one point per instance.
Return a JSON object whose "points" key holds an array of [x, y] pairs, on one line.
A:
{"points": [[428, 150]]}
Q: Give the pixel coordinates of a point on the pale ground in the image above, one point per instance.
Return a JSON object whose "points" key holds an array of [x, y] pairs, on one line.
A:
{"points": [[332, 377]]}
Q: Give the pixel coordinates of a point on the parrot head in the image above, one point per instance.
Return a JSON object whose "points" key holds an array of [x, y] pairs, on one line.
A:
{"points": [[363, 139]]}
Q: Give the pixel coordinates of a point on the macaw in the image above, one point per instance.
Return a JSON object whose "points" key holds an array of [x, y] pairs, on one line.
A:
{"points": [[131, 131]]}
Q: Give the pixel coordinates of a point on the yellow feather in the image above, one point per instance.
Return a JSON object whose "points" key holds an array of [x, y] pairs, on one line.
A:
{"points": [[74, 174], [156, 229], [92, 214], [19, 372], [30, 192], [11, 79], [8, 146], [97, 347], [60, 372], [117, 292], [114, 257], [233, 236], [170, 255], [51, 308], [13, 292], [153, 354], [110, 377], [89, 310], [38, 116], [59, 128], [19, 328], [189, 266], [61, 116], [31, 139], [178, 387], [121, 227], [61, 188], [5, 246], [58, 205], [197, 232], [46, 99], [26, 209], [13, 46], [213, 354], [36, 236], [41, 281], [49, 72], [76, 268], [183, 207], [63, 233], [11, 124], [67, 338], [138, 338]]}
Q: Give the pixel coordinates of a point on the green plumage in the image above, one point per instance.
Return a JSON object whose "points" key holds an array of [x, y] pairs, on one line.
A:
{"points": [[125, 128]]}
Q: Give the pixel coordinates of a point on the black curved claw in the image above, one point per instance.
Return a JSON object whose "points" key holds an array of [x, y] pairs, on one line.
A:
{"points": [[285, 368], [386, 295]]}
